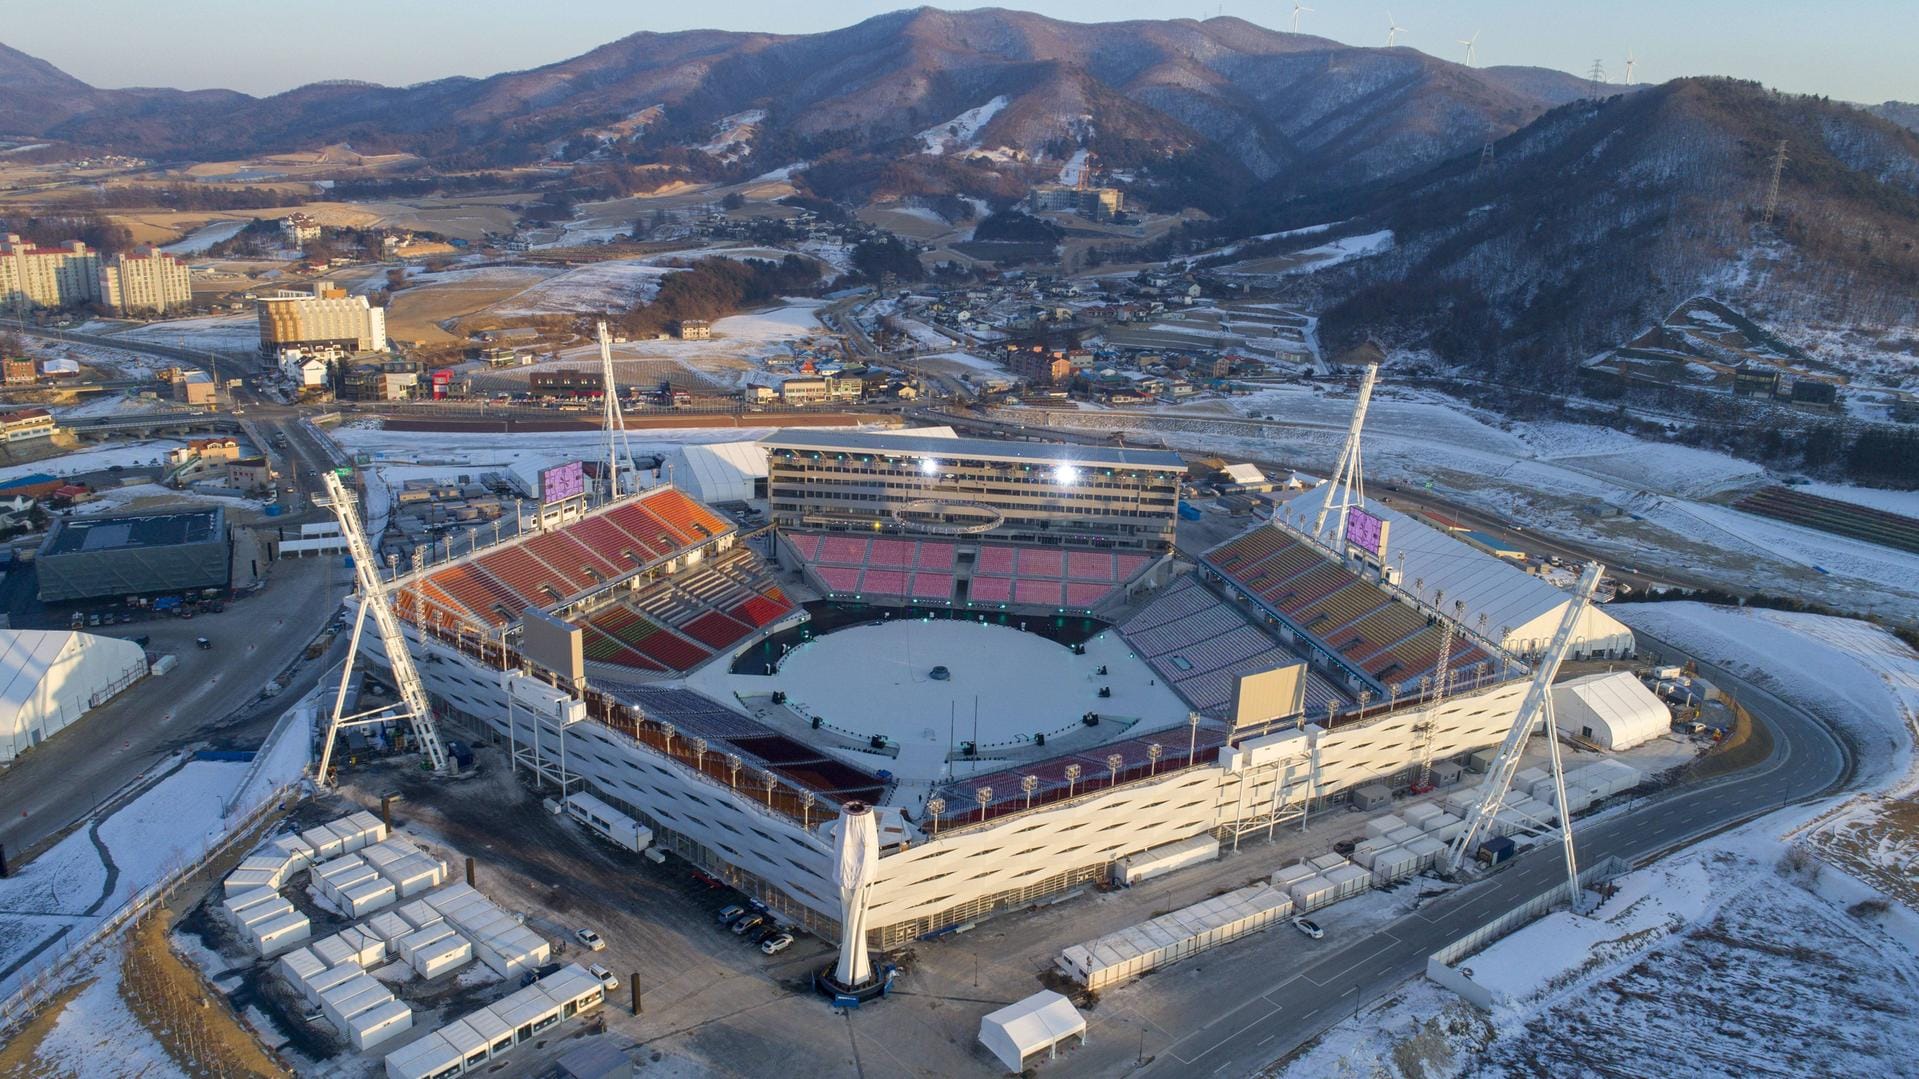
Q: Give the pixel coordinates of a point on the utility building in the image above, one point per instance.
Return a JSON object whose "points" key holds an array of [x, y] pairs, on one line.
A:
{"points": [[131, 556]]}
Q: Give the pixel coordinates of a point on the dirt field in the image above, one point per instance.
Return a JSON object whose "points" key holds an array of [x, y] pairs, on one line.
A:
{"points": [[415, 313], [168, 999], [20, 1055]]}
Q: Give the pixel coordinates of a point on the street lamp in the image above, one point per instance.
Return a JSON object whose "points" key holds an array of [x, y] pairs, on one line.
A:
{"points": [[1192, 740]]}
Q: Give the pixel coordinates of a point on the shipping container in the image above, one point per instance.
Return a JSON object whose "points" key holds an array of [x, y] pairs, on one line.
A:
{"points": [[607, 822], [425, 1058], [276, 936], [411, 944], [299, 965], [317, 985], [1311, 894], [1323, 862], [387, 926], [419, 914], [237, 902], [1349, 880], [1428, 850], [443, 956], [379, 1024], [1403, 836], [1286, 876], [1384, 824], [1418, 815], [363, 899], [1165, 859], [251, 880], [1395, 863]]}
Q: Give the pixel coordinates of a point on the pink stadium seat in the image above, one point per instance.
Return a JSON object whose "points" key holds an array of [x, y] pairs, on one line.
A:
{"points": [[991, 590]]}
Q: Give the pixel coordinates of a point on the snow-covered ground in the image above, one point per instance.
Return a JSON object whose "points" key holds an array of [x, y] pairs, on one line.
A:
{"points": [[611, 286], [115, 499], [962, 131], [1743, 955], [96, 869], [131, 454], [97, 1035], [223, 333]]}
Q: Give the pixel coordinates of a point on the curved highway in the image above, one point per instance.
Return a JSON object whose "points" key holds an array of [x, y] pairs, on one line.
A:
{"points": [[1276, 1011]]}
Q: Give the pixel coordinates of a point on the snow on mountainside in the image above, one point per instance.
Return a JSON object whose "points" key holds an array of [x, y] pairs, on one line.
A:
{"points": [[962, 131]]}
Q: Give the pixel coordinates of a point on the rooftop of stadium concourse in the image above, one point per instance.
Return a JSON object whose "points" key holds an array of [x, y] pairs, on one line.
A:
{"points": [[949, 449]]}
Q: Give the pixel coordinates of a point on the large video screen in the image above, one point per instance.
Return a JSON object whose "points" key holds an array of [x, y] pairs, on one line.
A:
{"points": [[1364, 531], [561, 482]]}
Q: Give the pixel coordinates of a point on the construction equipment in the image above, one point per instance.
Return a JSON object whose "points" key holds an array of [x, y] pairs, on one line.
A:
{"points": [[412, 706], [1536, 706], [617, 446]]}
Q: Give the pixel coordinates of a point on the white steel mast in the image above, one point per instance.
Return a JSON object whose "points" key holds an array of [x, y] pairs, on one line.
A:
{"points": [[1536, 706], [1348, 478], [618, 450], [413, 705]]}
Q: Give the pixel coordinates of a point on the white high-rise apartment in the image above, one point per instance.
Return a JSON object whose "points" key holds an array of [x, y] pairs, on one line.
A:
{"points": [[32, 276], [148, 280]]}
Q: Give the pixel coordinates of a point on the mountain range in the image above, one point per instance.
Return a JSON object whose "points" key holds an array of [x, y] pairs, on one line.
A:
{"points": [[1252, 104]]}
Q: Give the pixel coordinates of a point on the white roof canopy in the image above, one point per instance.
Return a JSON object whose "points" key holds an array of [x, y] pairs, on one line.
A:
{"points": [[1019, 1030], [1617, 707]]}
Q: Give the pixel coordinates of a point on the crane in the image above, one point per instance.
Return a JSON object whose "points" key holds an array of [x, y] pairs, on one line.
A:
{"points": [[413, 706], [1536, 705], [1348, 476]]}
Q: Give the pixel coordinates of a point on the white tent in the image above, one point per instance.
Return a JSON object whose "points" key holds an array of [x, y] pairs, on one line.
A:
{"points": [[50, 678], [1526, 607], [1612, 711], [1040, 1022], [719, 471]]}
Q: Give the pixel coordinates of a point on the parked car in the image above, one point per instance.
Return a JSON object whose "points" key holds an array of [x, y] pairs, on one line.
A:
{"points": [[748, 923], [607, 978], [205, 645], [591, 939], [765, 933], [777, 944], [1309, 927], [727, 914]]}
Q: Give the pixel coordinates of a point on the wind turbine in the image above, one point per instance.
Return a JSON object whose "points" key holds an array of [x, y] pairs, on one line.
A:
{"points": [[1298, 10], [1629, 66], [1393, 30], [1472, 54]]}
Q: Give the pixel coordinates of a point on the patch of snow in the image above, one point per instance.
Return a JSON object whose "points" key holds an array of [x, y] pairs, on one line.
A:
{"points": [[962, 131], [221, 333], [596, 287], [197, 241], [97, 1035], [149, 452]]}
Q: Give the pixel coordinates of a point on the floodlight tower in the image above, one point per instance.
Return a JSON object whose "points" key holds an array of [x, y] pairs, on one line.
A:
{"points": [[413, 705], [618, 449], [1348, 478], [1536, 706]]}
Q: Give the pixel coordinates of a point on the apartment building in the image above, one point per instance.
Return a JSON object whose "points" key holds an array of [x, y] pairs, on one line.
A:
{"points": [[26, 423], [148, 280], [33, 276]]}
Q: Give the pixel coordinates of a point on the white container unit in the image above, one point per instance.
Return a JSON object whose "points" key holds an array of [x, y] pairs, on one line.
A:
{"points": [[414, 874], [270, 938], [1385, 824], [1287, 876], [1395, 863], [298, 852], [369, 948], [318, 985], [413, 943], [335, 952], [350, 998], [1312, 893], [1367, 850], [573, 989], [1348, 881], [419, 914], [1403, 836], [323, 842], [1460, 802], [1417, 815], [443, 956], [346, 868], [1427, 849], [237, 903], [366, 897], [379, 1024], [1324, 862], [298, 965], [387, 926], [243, 880], [451, 895], [421, 1058], [492, 1029], [1524, 779]]}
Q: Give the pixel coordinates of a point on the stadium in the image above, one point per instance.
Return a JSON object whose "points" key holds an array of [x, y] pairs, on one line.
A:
{"points": [[1014, 742]]}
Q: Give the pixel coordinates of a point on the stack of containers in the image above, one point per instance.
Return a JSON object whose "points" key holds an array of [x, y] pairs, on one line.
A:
{"points": [[351, 945], [1287, 876], [1324, 862], [1443, 826], [257, 871], [349, 999], [236, 903], [1417, 815], [1394, 863], [1427, 849], [1384, 825], [276, 935], [1609, 777], [1311, 893], [299, 965], [353, 887], [257, 914], [317, 985], [379, 1024], [1366, 850], [1171, 937], [1579, 797], [499, 940], [1348, 881], [491, 1032]]}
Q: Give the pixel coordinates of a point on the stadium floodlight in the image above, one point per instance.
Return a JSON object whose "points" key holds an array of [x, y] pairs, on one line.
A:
{"points": [[1065, 474], [1029, 784], [929, 467], [934, 807], [1072, 777]]}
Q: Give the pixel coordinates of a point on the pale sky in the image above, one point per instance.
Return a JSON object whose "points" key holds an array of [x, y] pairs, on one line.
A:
{"points": [[1857, 50]]}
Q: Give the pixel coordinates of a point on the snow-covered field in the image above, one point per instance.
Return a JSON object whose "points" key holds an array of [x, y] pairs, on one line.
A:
{"points": [[597, 287], [148, 452], [222, 333], [97, 1035], [197, 241]]}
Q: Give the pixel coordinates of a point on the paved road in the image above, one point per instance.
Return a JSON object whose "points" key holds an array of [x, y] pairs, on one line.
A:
{"points": [[1279, 1011]]}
